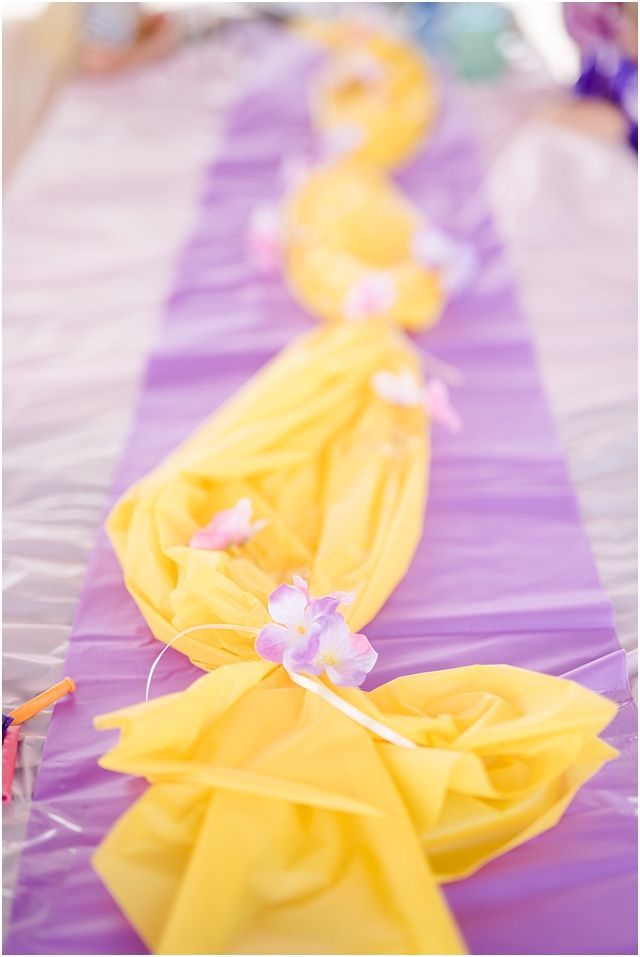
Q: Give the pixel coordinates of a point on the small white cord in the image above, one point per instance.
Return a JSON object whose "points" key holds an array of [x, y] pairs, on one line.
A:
{"points": [[188, 631]]}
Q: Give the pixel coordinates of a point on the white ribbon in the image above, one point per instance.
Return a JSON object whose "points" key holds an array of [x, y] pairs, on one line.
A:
{"points": [[315, 687], [351, 711]]}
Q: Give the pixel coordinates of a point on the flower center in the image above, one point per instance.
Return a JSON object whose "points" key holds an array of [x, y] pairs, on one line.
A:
{"points": [[301, 629], [330, 659]]}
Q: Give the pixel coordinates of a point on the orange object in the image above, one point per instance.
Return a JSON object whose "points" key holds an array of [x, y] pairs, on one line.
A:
{"points": [[42, 701], [9, 754]]}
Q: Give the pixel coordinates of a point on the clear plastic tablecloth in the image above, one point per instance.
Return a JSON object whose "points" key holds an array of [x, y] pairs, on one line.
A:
{"points": [[95, 216], [566, 204]]}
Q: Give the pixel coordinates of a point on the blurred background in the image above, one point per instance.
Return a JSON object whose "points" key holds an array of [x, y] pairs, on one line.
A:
{"points": [[112, 112], [43, 43]]}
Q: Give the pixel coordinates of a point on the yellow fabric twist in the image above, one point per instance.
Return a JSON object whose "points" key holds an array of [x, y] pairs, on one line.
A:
{"points": [[339, 474], [347, 224], [375, 89], [274, 824]]}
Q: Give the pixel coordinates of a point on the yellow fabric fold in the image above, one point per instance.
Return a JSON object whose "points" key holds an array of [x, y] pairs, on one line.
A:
{"points": [[345, 222], [275, 824], [339, 474], [378, 86]]}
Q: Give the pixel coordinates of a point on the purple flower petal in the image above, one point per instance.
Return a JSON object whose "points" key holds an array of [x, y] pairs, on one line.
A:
{"points": [[272, 642], [302, 585], [311, 636], [328, 604], [301, 655], [210, 538], [344, 597], [439, 407], [335, 633], [348, 675], [231, 526], [287, 605], [347, 658], [355, 666], [321, 607]]}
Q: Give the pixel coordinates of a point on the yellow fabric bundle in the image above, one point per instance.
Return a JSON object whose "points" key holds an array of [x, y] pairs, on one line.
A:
{"points": [[347, 222], [377, 87], [339, 474], [275, 824]]}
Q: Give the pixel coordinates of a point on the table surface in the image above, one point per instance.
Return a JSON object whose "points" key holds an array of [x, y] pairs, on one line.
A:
{"points": [[95, 217]]}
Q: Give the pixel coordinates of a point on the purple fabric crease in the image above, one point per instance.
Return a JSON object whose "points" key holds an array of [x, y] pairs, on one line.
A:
{"points": [[503, 573]]}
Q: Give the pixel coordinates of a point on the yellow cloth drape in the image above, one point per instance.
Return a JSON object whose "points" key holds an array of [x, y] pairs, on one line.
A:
{"points": [[275, 824], [345, 222], [376, 85], [348, 219], [339, 474]]}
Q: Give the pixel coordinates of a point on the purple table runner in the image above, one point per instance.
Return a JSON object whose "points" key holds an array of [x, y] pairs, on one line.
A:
{"points": [[503, 573]]}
